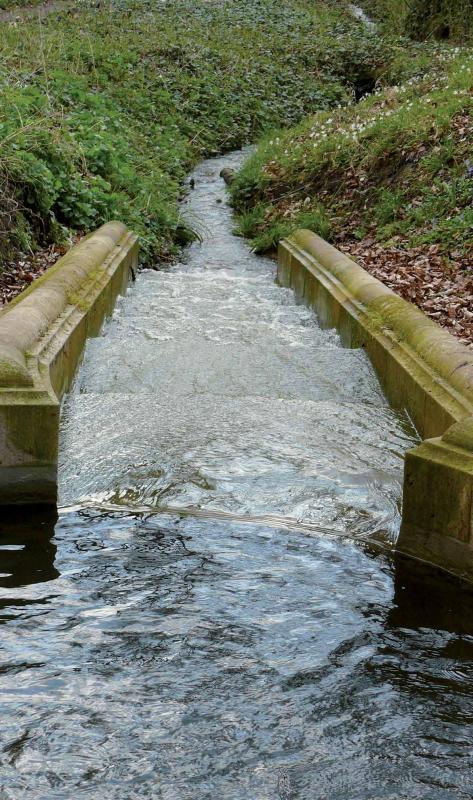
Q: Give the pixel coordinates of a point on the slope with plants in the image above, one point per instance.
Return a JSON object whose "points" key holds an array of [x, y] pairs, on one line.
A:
{"points": [[389, 180], [105, 110], [422, 19]]}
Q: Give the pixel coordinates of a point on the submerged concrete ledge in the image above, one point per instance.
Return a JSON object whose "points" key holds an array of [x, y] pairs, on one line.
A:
{"points": [[422, 369], [42, 335]]}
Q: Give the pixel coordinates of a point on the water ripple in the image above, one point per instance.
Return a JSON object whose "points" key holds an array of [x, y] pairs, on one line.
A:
{"points": [[217, 612]]}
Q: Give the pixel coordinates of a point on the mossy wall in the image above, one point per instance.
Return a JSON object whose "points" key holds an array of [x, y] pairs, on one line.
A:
{"points": [[42, 335], [423, 370]]}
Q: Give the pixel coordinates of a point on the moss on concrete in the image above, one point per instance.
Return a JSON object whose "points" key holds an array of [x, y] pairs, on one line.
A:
{"points": [[42, 334], [422, 369]]}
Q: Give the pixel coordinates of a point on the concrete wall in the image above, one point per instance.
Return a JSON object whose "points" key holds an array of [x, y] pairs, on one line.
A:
{"points": [[42, 335], [422, 369]]}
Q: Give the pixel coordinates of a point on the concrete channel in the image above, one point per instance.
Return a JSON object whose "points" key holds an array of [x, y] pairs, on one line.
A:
{"points": [[423, 369]]}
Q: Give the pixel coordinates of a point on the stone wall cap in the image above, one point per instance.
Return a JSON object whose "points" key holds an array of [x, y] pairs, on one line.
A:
{"points": [[438, 348], [26, 319]]}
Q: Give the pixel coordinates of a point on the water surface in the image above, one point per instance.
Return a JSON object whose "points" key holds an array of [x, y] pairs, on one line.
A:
{"points": [[211, 388], [211, 617]]}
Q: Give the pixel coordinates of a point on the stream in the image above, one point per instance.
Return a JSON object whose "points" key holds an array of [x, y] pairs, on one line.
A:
{"points": [[217, 612]]}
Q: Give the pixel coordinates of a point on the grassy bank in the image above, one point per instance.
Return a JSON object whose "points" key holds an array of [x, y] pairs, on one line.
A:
{"points": [[396, 166], [17, 4], [389, 180], [104, 113], [422, 19]]}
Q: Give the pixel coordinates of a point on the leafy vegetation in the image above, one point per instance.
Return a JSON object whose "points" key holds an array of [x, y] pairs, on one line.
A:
{"points": [[12, 4], [395, 168], [103, 113], [422, 19]]}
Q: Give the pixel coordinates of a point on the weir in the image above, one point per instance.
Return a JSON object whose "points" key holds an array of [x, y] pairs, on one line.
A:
{"points": [[218, 612], [213, 389], [224, 328]]}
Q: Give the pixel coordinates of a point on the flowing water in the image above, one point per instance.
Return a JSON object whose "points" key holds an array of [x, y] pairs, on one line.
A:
{"points": [[211, 616], [360, 14]]}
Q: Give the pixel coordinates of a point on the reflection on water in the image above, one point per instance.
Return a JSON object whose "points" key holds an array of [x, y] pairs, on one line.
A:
{"points": [[26, 551], [220, 622], [174, 657], [425, 597]]}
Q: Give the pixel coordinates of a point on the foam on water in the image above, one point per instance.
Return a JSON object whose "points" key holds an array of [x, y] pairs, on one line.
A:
{"points": [[212, 388], [218, 622]]}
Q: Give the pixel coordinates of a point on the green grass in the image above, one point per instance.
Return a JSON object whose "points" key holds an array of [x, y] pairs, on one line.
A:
{"points": [[423, 19], [13, 4], [103, 114], [397, 165]]}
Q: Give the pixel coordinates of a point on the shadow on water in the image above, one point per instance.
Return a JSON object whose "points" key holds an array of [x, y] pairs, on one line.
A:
{"points": [[425, 597], [27, 552]]}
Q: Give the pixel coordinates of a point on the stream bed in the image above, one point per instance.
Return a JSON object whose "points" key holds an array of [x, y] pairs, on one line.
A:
{"points": [[217, 613]]}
